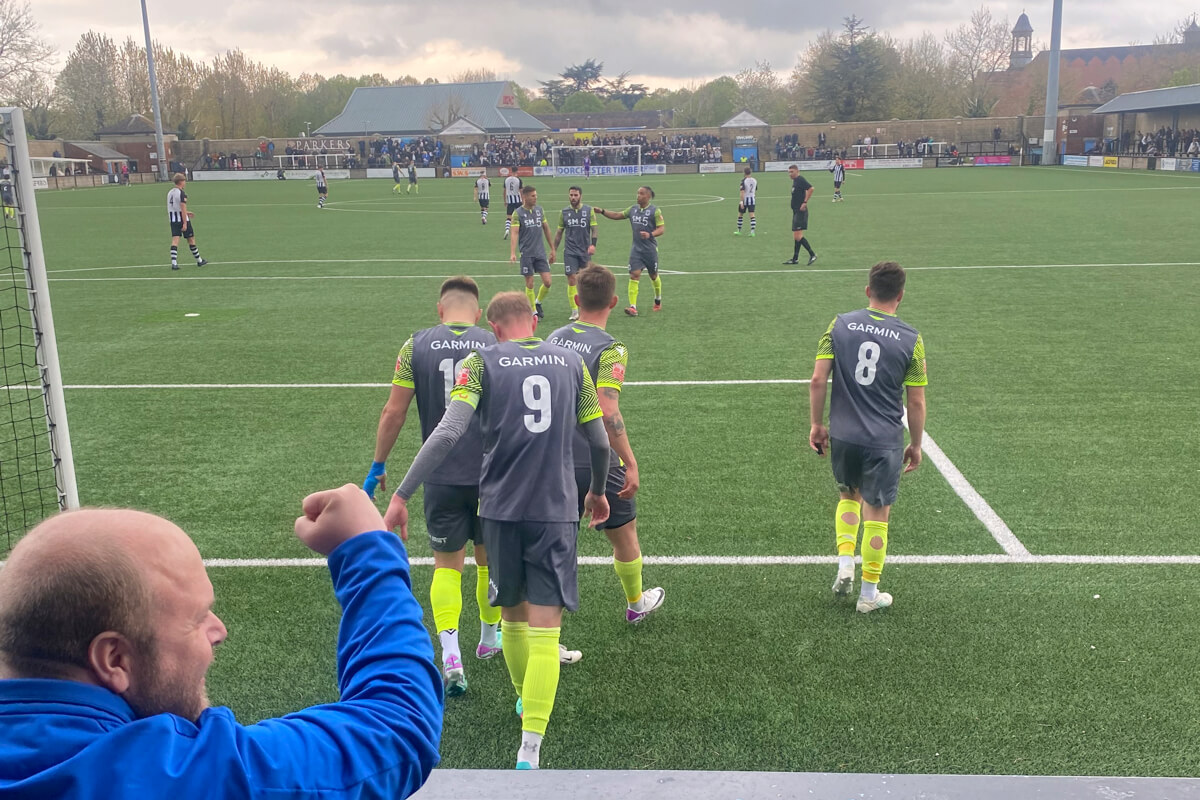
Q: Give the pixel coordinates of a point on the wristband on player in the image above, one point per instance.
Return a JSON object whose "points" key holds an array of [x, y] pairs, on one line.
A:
{"points": [[593, 241], [378, 469]]}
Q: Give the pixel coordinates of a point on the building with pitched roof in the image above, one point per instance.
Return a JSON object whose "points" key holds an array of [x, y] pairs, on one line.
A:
{"points": [[429, 109]]}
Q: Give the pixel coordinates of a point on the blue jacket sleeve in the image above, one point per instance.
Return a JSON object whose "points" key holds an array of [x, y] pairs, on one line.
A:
{"points": [[381, 738]]}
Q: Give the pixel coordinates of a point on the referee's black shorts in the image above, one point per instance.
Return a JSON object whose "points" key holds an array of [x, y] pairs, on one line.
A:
{"points": [[799, 220]]}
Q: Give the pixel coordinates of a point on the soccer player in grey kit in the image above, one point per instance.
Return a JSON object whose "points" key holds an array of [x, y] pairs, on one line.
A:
{"points": [[530, 397], [875, 359]]}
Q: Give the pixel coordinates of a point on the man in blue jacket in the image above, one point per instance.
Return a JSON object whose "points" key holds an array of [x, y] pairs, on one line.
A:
{"points": [[107, 632]]}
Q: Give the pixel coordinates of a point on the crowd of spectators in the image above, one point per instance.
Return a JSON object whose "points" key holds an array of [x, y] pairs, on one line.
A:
{"points": [[1163, 142], [606, 150], [789, 148], [424, 151]]}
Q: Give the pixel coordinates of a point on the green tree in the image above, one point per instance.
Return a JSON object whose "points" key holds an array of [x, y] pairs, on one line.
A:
{"points": [[582, 102], [539, 105], [621, 90], [555, 91], [848, 77], [582, 77], [923, 87], [761, 92], [84, 87]]}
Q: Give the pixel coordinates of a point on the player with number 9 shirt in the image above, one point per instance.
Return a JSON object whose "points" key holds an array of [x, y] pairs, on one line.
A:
{"points": [[876, 359], [530, 396]]}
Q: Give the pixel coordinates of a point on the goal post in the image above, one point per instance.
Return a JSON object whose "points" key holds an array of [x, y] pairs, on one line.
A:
{"points": [[567, 161], [37, 471]]}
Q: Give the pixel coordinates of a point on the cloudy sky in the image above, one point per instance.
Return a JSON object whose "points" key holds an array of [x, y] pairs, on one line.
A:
{"points": [[678, 42]]}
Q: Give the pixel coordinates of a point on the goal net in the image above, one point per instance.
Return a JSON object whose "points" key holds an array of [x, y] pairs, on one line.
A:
{"points": [[37, 476], [581, 161]]}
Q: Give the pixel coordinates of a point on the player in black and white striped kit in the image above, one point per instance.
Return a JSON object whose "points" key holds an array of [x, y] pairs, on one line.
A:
{"points": [[748, 194], [512, 201], [322, 187], [839, 176], [181, 222], [483, 190]]}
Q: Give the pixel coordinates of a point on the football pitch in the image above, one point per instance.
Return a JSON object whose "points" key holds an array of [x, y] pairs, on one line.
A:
{"points": [[1043, 559]]}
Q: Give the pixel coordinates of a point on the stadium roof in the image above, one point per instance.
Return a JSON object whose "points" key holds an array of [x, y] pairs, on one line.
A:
{"points": [[135, 124], [101, 151], [744, 120], [1153, 100], [416, 110]]}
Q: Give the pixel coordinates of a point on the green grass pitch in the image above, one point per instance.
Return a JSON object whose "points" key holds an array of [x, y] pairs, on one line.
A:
{"points": [[1062, 385]]}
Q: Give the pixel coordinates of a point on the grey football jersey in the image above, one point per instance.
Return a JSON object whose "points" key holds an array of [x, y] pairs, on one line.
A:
{"points": [[590, 341], [532, 397], [578, 235], [874, 355], [437, 356], [530, 238], [644, 219]]}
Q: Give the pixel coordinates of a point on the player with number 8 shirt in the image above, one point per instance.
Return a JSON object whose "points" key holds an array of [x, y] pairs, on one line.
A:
{"points": [[875, 359], [530, 396]]}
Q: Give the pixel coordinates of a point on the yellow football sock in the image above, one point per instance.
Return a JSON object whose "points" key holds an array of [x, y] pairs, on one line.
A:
{"points": [[516, 652], [657, 281], [530, 294], [874, 549], [848, 516], [487, 613], [633, 292], [630, 573], [541, 678], [445, 598], [572, 291], [543, 290]]}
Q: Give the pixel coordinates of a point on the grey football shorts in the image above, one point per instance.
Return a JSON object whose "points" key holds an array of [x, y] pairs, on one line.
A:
{"points": [[874, 472], [531, 265], [531, 561], [451, 516], [572, 264], [620, 512], [647, 261]]}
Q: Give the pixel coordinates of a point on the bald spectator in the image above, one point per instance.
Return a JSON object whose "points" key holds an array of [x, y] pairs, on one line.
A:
{"points": [[107, 632]]}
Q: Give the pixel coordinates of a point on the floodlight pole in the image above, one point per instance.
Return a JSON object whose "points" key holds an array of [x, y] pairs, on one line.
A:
{"points": [[1049, 149], [158, 132]]}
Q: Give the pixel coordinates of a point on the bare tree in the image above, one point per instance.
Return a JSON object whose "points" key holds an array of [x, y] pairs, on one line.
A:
{"points": [[21, 50], [474, 75], [924, 82], [760, 90], [978, 49], [445, 112], [1175, 35]]}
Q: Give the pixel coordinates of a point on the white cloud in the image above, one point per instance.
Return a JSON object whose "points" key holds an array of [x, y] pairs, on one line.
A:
{"points": [[674, 43]]}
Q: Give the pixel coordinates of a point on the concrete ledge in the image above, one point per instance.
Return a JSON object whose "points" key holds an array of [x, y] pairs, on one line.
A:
{"points": [[451, 784]]}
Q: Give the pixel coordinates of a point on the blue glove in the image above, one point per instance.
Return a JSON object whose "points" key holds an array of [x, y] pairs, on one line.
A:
{"points": [[377, 472]]}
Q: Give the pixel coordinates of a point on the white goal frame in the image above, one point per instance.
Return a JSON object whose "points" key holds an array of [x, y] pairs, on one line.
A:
{"points": [[39, 303], [575, 170]]}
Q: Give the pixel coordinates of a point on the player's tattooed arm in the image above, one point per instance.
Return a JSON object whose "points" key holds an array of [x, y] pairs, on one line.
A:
{"points": [[612, 420], [618, 439]]}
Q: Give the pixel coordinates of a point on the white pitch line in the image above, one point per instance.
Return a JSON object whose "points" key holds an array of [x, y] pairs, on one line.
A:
{"points": [[508, 275], [979, 507], [775, 561], [135, 386]]}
